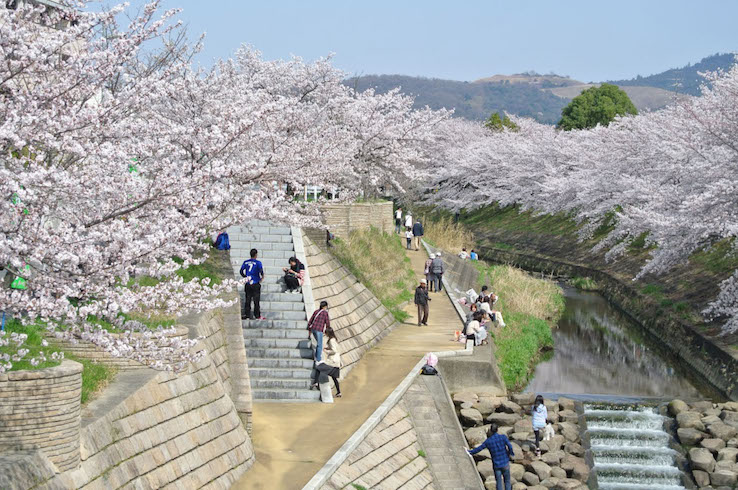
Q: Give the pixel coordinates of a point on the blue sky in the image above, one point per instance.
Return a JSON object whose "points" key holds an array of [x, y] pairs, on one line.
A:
{"points": [[465, 40]]}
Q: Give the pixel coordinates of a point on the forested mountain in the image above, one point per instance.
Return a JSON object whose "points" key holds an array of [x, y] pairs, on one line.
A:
{"points": [[541, 97], [471, 100], [685, 80]]}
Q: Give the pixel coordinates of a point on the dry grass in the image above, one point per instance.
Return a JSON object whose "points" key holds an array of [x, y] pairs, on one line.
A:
{"points": [[378, 260], [446, 234], [520, 292]]}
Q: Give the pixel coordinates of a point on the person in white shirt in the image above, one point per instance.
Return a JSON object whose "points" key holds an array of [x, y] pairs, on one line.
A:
{"points": [[408, 220], [463, 254], [409, 237], [398, 221]]}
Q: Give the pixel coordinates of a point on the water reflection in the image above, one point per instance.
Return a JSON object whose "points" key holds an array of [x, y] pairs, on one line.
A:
{"points": [[597, 350]]}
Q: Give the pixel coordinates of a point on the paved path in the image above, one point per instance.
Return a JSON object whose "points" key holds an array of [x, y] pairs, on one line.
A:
{"points": [[293, 441]]}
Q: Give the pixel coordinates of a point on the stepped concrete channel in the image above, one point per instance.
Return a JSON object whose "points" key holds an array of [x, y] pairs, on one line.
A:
{"points": [[278, 348]]}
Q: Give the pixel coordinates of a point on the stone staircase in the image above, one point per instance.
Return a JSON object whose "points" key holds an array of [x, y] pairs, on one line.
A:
{"points": [[277, 349]]}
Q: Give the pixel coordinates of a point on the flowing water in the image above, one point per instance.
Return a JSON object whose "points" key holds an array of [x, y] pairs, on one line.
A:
{"points": [[604, 358], [599, 351], [631, 448]]}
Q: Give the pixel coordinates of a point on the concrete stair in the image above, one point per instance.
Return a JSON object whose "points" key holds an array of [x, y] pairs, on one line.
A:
{"points": [[278, 348]]}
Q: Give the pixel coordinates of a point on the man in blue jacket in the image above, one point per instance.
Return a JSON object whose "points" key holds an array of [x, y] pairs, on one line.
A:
{"points": [[253, 271], [417, 233], [501, 451]]}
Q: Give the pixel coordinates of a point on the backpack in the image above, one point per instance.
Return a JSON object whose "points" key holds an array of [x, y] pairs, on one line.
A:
{"points": [[428, 370], [222, 242]]}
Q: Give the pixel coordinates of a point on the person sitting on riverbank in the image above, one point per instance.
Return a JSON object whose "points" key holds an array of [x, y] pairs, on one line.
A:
{"points": [[539, 413], [476, 330], [494, 315], [331, 364], [463, 255], [429, 277], [501, 451], [473, 255], [294, 275]]}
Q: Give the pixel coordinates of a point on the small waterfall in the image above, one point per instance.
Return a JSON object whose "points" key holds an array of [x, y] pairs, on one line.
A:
{"points": [[631, 449]]}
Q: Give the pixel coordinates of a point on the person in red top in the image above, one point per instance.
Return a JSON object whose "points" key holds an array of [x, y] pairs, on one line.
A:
{"points": [[316, 325]]}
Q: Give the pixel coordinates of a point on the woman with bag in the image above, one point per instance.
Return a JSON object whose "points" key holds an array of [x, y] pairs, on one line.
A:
{"points": [[331, 364], [540, 415], [294, 274], [429, 277]]}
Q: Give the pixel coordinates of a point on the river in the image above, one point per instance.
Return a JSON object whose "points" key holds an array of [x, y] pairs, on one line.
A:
{"points": [[598, 350]]}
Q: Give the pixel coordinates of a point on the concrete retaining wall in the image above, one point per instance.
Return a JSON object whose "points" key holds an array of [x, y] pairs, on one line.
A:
{"points": [[41, 409], [358, 317], [343, 218], [388, 458]]}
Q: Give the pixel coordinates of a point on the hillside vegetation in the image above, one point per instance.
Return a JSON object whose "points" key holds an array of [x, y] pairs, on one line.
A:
{"points": [[378, 260], [684, 80]]}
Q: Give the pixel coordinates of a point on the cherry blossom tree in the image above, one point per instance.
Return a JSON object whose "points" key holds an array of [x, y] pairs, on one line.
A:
{"points": [[669, 175], [112, 168]]}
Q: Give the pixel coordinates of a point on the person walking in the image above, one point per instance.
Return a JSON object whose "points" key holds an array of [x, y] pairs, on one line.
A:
{"points": [[421, 300], [317, 325], [429, 277], [501, 451], [398, 221], [253, 271], [331, 364], [408, 220], [540, 416], [437, 269], [408, 237], [417, 233]]}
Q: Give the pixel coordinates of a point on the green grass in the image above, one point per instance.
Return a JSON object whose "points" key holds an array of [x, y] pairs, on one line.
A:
{"points": [[379, 262], [584, 283], [511, 219], [519, 347], [358, 487], [720, 257], [421, 453], [94, 375]]}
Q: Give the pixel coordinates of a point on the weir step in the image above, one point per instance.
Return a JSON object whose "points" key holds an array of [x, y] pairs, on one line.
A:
{"points": [[274, 324], [278, 373], [280, 383], [278, 343], [257, 333]]}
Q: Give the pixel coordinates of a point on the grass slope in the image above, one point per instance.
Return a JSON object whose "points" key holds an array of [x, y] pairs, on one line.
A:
{"points": [[378, 260]]}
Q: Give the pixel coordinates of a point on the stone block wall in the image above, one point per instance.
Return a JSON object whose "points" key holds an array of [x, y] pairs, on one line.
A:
{"points": [[388, 458], [358, 317], [41, 409], [343, 218], [181, 430]]}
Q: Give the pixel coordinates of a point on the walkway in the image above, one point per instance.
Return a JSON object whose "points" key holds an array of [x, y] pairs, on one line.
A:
{"points": [[293, 441]]}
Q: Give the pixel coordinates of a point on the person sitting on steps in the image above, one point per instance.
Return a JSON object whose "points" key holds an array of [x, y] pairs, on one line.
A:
{"points": [[294, 275]]}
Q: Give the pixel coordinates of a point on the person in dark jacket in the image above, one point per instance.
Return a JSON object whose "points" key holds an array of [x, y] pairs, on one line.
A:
{"points": [[417, 233], [421, 300], [501, 451], [437, 270]]}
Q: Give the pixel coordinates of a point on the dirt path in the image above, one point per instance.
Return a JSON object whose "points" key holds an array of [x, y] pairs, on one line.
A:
{"points": [[294, 440]]}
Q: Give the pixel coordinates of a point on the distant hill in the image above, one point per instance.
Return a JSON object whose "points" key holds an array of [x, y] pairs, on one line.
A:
{"points": [[471, 100], [541, 97], [684, 80], [644, 98]]}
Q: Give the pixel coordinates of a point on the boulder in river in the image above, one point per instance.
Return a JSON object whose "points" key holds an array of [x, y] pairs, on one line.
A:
{"points": [[702, 459], [690, 437], [676, 407]]}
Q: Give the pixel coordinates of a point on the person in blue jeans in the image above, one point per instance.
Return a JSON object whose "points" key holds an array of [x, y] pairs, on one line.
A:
{"points": [[501, 451], [317, 325], [253, 271]]}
